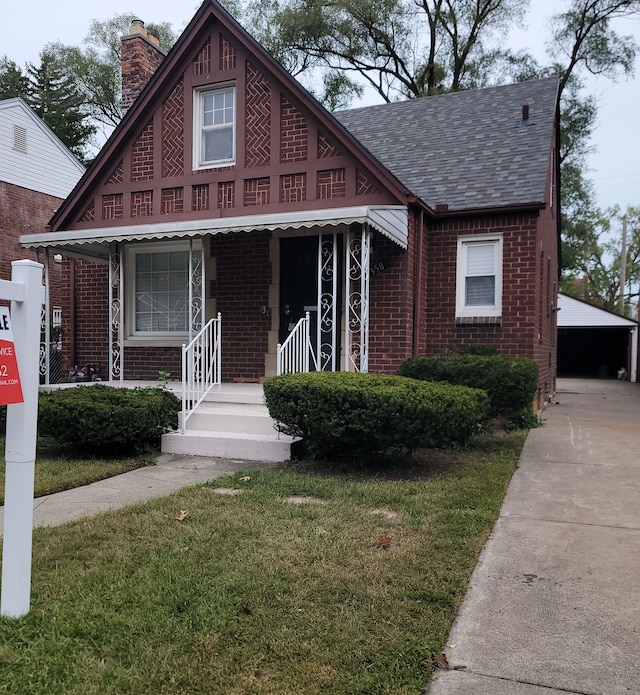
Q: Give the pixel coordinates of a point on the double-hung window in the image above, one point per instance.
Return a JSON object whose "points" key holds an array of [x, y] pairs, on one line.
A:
{"points": [[159, 282], [214, 138], [479, 276]]}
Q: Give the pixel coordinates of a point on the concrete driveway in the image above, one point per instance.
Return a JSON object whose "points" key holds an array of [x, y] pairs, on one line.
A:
{"points": [[554, 603]]}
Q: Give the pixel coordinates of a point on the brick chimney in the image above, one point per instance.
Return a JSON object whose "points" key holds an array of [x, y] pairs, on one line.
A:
{"points": [[141, 56]]}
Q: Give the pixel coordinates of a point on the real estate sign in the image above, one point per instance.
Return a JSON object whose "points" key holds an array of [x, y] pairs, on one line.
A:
{"points": [[10, 388]]}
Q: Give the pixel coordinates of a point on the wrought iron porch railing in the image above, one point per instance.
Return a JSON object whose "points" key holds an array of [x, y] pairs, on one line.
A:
{"points": [[296, 353], [200, 367]]}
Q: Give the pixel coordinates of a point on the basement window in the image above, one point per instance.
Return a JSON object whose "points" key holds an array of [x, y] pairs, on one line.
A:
{"points": [[214, 141], [479, 276]]}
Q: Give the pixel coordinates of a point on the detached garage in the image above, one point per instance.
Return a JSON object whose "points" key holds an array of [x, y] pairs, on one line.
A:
{"points": [[593, 342]]}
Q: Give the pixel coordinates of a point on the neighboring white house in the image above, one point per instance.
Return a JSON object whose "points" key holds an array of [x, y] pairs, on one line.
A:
{"points": [[37, 172], [595, 342], [31, 155]]}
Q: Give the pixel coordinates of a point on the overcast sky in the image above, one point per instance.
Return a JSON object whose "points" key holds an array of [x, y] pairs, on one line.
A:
{"points": [[615, 166]]}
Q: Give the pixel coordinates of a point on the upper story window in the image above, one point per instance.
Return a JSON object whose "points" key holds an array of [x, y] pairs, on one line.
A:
{"points": [[214, 140], [479, 276]]}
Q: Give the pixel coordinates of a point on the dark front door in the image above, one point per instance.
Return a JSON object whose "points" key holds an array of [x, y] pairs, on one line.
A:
{"points": [[298, 283]]}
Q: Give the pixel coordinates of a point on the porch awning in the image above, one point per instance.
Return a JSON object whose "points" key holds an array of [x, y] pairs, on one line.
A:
{"points": [[392, 221]]}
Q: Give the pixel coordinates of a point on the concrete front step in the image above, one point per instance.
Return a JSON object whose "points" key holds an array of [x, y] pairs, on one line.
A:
{"points": [[236, 393], [232, 422], [231, 417], [235, 445]]}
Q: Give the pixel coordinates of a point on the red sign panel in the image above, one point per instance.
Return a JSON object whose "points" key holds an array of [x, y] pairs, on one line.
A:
{"points": [[10, 388]]}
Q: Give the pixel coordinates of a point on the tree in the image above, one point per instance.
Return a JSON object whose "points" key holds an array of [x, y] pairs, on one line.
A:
{"points": [[583, 41], [595, 274], [381, 43], [12, 82], [54, 97], [96, 67]]}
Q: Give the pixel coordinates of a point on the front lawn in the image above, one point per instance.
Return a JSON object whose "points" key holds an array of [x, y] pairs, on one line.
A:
{"points": [[304, 582]]}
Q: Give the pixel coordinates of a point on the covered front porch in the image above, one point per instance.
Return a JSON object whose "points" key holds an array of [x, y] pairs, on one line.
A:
{"points": [[157, 287]]}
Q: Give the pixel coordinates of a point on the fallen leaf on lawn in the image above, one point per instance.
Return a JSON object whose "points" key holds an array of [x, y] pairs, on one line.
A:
{"points": [[183, 515], [384, 542], [452, 646], [441, 660], [245, 478]]}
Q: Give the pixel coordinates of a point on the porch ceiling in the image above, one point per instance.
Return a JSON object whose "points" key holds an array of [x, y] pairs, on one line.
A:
{"points": [[392, 221]]}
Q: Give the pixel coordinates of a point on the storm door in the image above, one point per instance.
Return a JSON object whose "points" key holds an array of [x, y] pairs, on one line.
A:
{"points": [[309, 282]]}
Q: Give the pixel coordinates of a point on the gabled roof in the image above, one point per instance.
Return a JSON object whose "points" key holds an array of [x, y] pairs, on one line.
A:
{"points": [[168, 71], [468, 150], [43, 163], [574, 313]]}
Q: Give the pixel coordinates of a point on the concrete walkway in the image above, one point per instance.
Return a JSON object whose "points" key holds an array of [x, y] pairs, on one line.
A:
{"points": [[171, 472], [554, 603]]}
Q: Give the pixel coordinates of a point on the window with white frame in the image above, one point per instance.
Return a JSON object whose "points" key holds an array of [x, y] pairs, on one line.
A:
{"points": [[158, 296], [214, 137], [479, 276]]}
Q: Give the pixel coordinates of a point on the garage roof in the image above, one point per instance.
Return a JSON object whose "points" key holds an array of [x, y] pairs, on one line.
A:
{"points": [[574, 313]]}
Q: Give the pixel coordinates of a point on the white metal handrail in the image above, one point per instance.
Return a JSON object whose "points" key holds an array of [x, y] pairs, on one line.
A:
{"points": [[296, 353], [200, 367]]}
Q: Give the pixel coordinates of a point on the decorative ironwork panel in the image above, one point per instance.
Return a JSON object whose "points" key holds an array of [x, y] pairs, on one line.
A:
{"points": [[43, 357], [196, 290], [327, 328], [357, 259], [115, 312]]}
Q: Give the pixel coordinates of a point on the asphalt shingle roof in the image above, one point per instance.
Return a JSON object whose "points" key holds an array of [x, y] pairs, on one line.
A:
{"points": [[469, 150]]}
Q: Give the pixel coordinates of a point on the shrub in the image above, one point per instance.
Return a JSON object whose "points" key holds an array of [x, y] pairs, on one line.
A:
{"points": [[341, 414], [106, 420], [510, 382]]}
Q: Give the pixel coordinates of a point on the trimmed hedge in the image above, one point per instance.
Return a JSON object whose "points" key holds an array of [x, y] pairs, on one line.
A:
{"points": [[342, 414], [101, 419], [510, 382]]}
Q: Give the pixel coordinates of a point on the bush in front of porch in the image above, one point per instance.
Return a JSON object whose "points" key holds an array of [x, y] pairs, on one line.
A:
{"points": [[349, 415], [102, 419]]}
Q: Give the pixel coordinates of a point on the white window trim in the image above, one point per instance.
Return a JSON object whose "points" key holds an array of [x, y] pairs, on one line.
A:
{"points": [[140, 338], [197, 127], [462, 310]]}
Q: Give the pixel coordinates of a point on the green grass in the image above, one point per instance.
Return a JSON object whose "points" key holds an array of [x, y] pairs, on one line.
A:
{"points": [[56, 472], [254, 594]]}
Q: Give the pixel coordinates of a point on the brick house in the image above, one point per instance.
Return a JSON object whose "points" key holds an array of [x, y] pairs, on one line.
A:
{"points": [[37, 172], [419, 227]]}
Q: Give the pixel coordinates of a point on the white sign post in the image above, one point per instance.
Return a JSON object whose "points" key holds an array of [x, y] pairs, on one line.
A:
{"points": [[26, 294]]}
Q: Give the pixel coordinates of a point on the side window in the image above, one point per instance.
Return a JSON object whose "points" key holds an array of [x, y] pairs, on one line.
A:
{"points": [[214, 137], [479, 276]]}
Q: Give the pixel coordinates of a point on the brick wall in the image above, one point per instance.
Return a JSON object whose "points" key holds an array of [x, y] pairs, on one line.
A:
{"points": [[294, 137], [87, 340], [391, 299], [140, 58], [241, 289], [547, 271], [522, 329], [23, 211]]}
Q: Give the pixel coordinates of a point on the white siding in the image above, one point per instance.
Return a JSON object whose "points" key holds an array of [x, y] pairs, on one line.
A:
{"points": [[47, 166], [577, 314]]}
